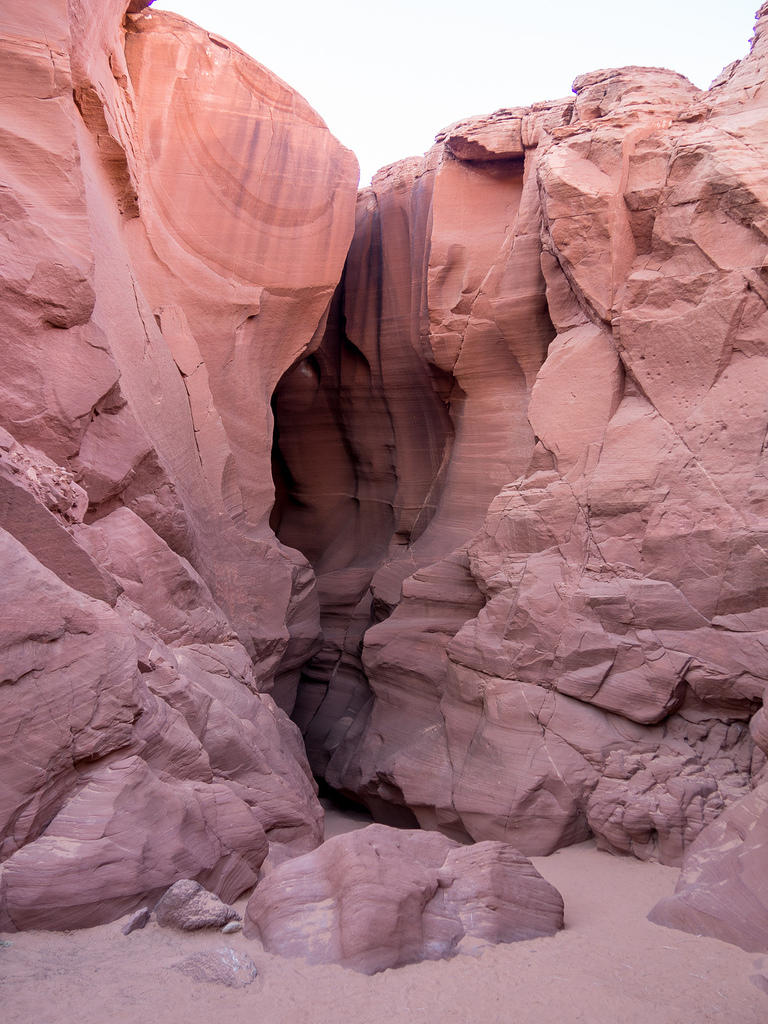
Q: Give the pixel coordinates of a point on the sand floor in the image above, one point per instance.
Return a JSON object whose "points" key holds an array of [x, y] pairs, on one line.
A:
{"points": [[609, 966]]}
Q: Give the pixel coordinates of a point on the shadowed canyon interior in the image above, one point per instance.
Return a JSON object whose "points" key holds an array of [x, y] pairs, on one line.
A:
{"points": [[451, 491]]}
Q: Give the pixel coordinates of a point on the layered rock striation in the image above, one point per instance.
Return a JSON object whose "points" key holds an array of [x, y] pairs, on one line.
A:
{"points": [[542, 591], [383, 897], [174, 220], [506, 416]]}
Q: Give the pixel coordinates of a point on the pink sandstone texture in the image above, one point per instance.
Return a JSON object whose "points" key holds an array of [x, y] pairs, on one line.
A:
{"points": [[721, 891], [467, 474], [383, 897], [527, 463], [148, 611], [188, 906]]}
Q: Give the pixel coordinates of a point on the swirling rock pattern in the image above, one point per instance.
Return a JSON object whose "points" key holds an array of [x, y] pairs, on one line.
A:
{"points": [[147, 609]]}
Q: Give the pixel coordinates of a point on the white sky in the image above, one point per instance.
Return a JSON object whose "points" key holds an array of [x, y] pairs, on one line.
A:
{"points": [[386, 77]]}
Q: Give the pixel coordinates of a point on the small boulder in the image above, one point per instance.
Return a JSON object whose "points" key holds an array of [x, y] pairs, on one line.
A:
{"points": [[188, 906]]}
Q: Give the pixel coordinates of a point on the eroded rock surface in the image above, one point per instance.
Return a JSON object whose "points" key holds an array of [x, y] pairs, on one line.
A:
{"points": [[383, 897], [560, 631], [147, 609], [519, 464], [188, 906], [723, 890], [135, 751]]}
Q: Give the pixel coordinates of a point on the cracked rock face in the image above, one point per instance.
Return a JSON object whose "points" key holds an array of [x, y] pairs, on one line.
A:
{"points": [[383, 897], [517, 470], [560, 628]]}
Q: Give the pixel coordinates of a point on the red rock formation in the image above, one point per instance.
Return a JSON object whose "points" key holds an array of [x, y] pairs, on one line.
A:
{"points": [[134, 737], [523, 449], [270, 218], [148, 607], [722, 888], [380, 898], [582, 282]]}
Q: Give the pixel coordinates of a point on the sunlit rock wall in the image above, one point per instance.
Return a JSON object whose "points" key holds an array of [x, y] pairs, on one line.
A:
{"points": [[174, 222]]}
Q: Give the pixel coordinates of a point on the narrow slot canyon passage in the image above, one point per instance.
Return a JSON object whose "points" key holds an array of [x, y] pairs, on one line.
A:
{"points": [[341, 447], [391, 439], [383, 569]]}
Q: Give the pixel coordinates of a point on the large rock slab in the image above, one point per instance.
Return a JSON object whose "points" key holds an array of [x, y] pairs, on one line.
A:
{"points": [[723, 886], [383, 897]]}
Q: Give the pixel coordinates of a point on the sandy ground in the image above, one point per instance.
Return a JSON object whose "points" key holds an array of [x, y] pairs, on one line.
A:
{"points": [[609, 966]]}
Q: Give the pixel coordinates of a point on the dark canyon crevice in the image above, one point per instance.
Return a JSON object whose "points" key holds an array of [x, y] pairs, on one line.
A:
{"points": [[467, 471], [538, 591], [392, 437]]}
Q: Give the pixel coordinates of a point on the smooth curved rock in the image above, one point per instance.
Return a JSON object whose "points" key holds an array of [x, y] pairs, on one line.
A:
{"points": [[382, 897], [250, 248], [137, 370]]}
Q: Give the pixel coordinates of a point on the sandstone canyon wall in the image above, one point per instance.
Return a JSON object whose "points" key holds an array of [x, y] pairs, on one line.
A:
{"points": [[542, 579], [174, 222], [506, 416]]}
